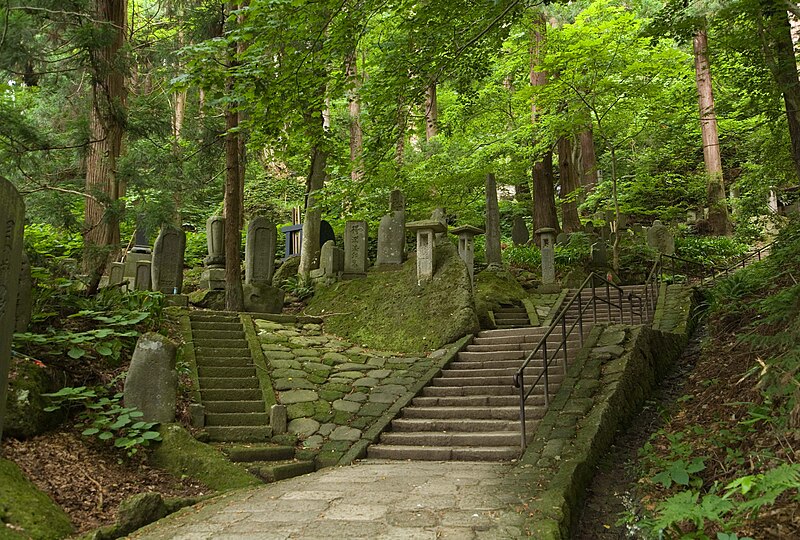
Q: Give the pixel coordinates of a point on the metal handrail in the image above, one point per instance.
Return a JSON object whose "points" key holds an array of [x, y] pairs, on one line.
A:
{"points": [[590, 282], [741, 263]]}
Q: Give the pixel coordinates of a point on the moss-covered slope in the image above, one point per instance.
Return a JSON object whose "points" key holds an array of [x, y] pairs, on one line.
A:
{"points": [[495, 286], [388, 310]]}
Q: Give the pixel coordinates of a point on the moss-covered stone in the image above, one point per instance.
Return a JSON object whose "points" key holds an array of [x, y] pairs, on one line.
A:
{"points": [[494, 286], [30, 512], [388, 310], [25, 415], [287, 269], [204, 298], [180, 454]]}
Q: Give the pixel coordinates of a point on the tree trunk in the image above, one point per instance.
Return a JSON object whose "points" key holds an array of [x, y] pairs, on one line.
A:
{"points": [[431, 112], [588, 160], [544, 202], [493, 255], [776, 39], [234, 296], [569, 185], [106, 121], [354, 108], [310, 251], [715, 185]]}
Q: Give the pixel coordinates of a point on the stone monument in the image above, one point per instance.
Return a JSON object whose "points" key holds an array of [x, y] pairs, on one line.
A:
{"points": [[24, 295], [519, 231], [259, 251], [142, 279], [355, 249], [116, 273], [12, 214], [466, 246], [167, 264], [392, 232], [547, 236], [426, 242], [152, 381], [213, 277], [659, 238]]}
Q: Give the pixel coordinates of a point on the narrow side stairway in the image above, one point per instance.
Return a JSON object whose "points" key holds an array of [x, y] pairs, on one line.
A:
{"points": [[229, 385], [511, 316]]}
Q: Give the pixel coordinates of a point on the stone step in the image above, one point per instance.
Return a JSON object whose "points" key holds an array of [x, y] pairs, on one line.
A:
{"points": [[239, 433], [212, 325], [204, 343], [444, 453], [200, 335], [466, 356], [458, 424], [533, 370], [206, 371], [572, 341], [499, 364], [512, 317], [484, 381], [476, 401], [216, 351], [230, 394], [224, 361], [413, 438], [237, 419], [272, 472], [249, 454], [462, 413], [251, 406], [214, 316], [220, 383], [513, 332], [510, 310], [483, 390]]}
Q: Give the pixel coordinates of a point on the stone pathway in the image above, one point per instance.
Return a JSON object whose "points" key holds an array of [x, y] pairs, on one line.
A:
{"points": [[369, 500]]}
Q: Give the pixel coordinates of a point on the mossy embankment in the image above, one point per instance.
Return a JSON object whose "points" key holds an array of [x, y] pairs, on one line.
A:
{"points": [[493, 287], [388, 310]]}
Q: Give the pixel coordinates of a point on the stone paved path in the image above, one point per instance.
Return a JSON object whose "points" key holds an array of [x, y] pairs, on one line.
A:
{"points": [[370, 500]]}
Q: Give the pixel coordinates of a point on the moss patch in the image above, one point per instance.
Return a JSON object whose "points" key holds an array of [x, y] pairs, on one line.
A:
{"points": [[30, 512], [388, 310], [287, 269], [181, 454], [25, 415], [495, 286]]}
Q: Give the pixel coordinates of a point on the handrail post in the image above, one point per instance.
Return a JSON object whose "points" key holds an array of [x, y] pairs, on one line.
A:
{"points": [[594, 301], [546, 372], [521, 381], [608, 302], [641, 311], [621, 307], [580, 315], [564, 341]]}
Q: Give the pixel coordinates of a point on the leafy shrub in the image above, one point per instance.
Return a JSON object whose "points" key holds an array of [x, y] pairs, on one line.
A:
{"points": [[528, 257], [298, 286], [103, 417], [196, 248], [710, 250]]}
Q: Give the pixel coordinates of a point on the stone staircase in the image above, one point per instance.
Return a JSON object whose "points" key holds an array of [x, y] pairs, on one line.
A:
{"points": [[471, 411], [603, 314], [511, 316], [229, 386]]}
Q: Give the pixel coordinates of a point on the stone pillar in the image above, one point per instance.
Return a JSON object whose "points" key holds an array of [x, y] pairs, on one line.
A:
{"points": [[466, 246], [547, 236], [259, 251], [141, 236], [213, 277], [152, 382], [659, 237], [392, 232], [440, 214], [142, 280], [116, 273], [167, 263], [355, 248], [12, 214], [426, 243], [493, 255]]}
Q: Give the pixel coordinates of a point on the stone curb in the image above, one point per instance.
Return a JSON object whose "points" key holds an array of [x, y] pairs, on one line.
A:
{"points": [[264, 380], [359, 449], [187, 350]]}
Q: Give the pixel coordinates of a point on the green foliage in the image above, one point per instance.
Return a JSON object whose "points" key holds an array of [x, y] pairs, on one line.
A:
{"points": [[718, 251], [301, 287], [103, 417], [679, 472]]}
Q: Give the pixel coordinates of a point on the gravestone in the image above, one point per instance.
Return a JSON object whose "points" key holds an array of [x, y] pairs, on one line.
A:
{"points": [[519, 231], [213, 277], [355, 248], [262, 298], [152, 381], [24, 295], [599, 253], [326, 233], [637, 229], [622, 223], [259, 251], [141, 236], [142, 279], [167, 263], [116, 273], [547, 236], [562, 239], [12, 214], [659, 238], [466, 247], [392, 232], [331, 259], [426, 243], [589, 228]]}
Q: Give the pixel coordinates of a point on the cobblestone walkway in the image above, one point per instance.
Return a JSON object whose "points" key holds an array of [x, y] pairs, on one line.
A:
{"points": [[370, 500]]}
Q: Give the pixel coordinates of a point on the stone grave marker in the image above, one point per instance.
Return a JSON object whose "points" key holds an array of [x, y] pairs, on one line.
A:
{"points": [[331, 260], [213, 277], [141, 236], [392, 232], [599, 253], [547, 236], [519, 231], [259, 251], [116, 273], [167, 264], [355, 248], [12, 214], [589, 228], [142, 280], [659, 238], [152, 381], [24, 295], [426, 242], [562, 239]]}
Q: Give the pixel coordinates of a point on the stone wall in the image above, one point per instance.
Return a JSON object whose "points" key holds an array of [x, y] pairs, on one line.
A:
{"points": [[614, 373]]}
